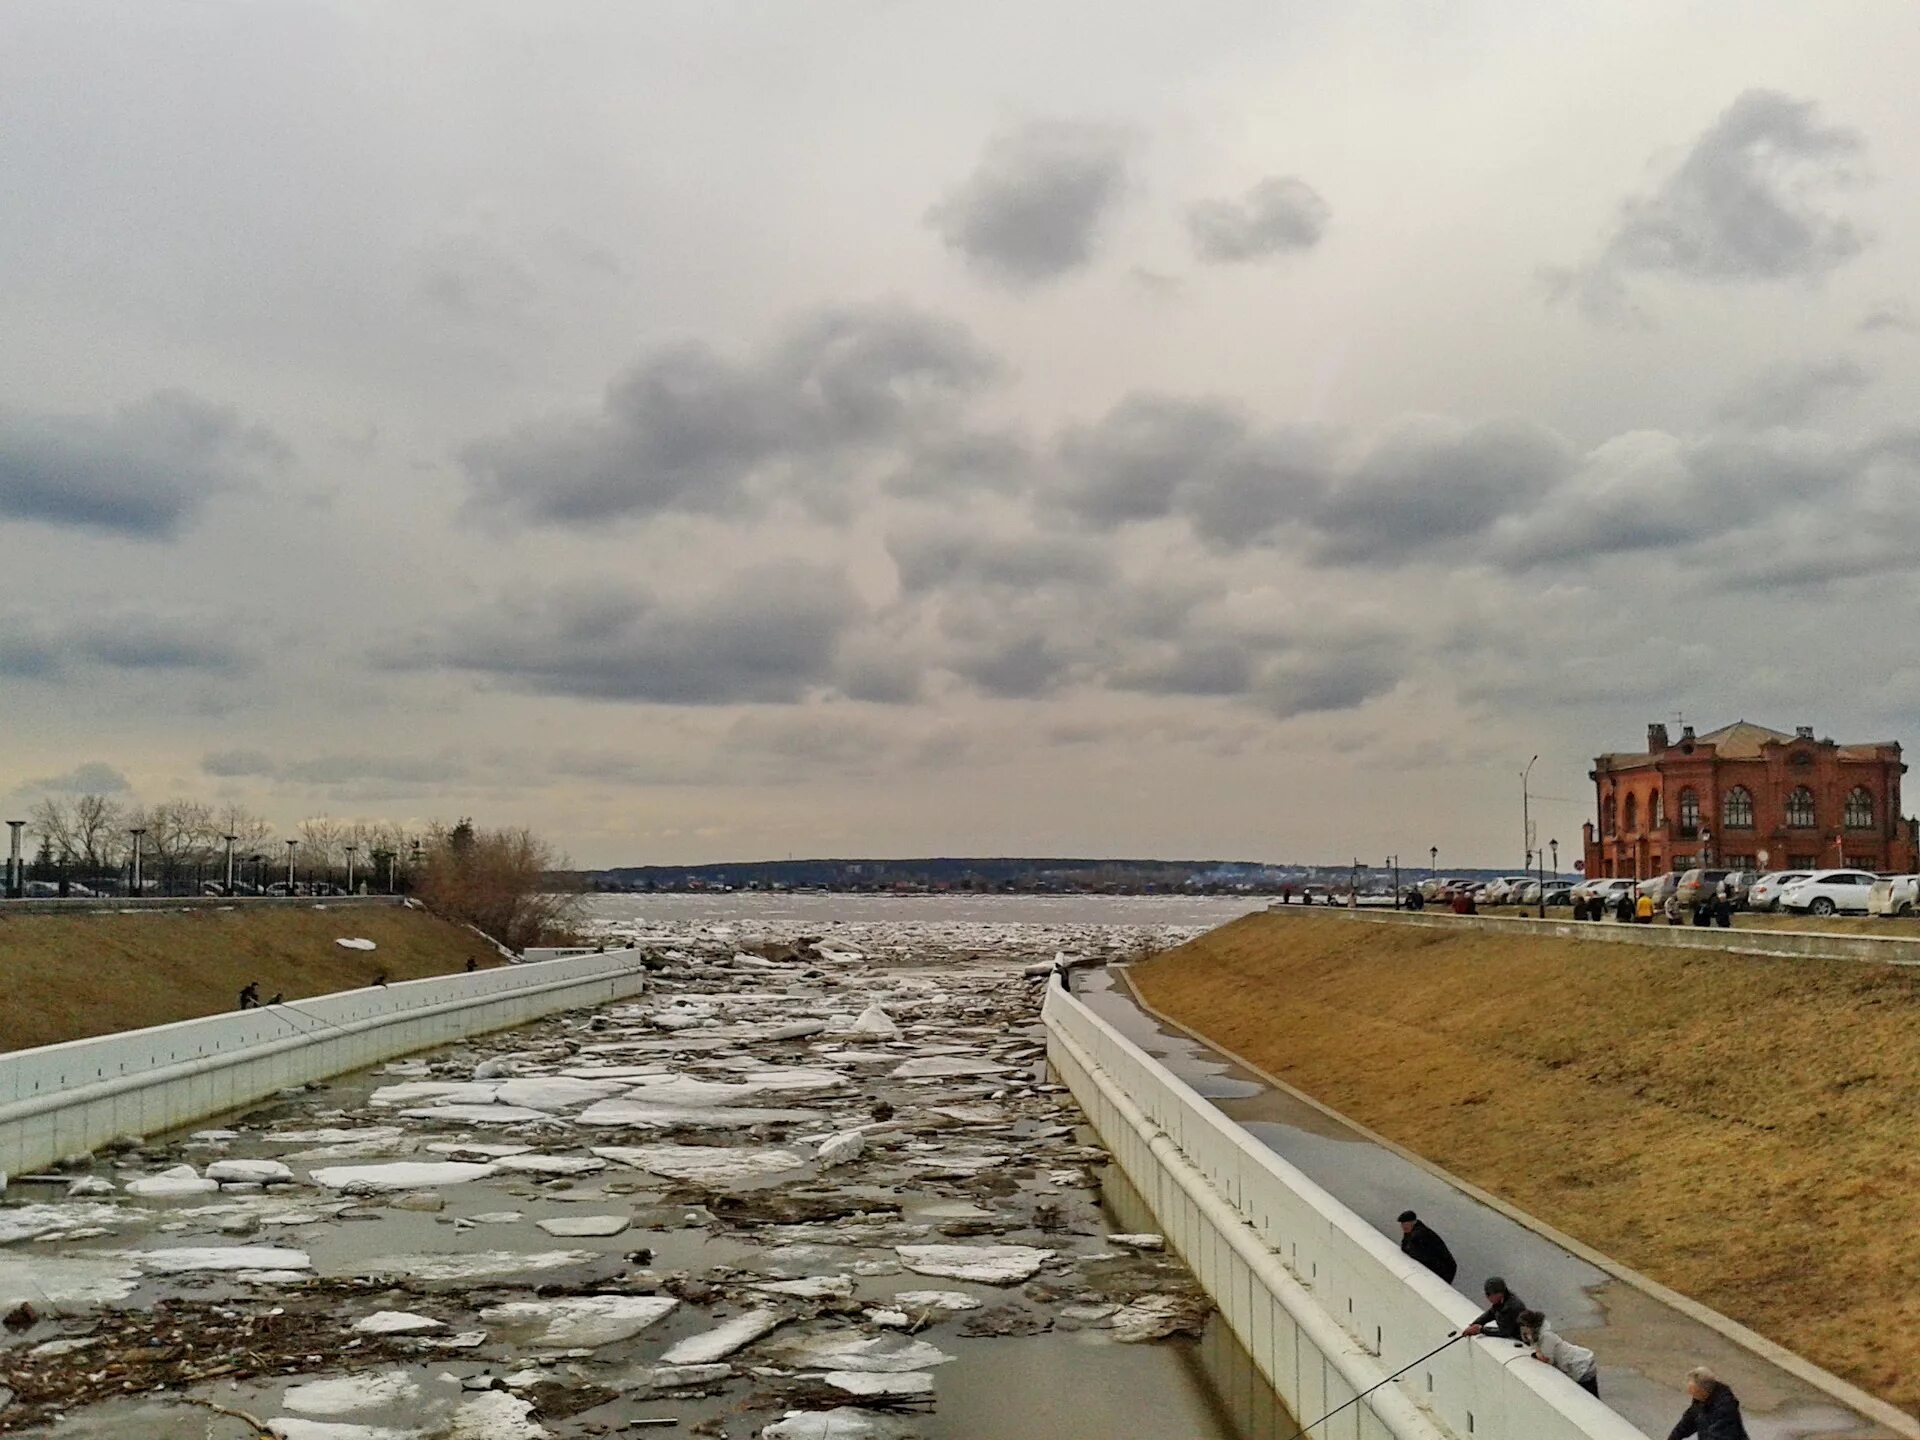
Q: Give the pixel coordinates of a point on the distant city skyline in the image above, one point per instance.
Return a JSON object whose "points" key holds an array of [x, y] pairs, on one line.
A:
{"points": [[1088, 429]]}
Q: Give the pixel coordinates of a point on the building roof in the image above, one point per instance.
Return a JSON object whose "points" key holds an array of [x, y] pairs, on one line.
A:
{"points": [[1742, 740]]}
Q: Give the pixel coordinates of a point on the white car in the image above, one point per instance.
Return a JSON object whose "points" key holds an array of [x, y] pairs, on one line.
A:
{"points": [[1765, 894], [1502, 891], [1827, 892], [1893, 895]]}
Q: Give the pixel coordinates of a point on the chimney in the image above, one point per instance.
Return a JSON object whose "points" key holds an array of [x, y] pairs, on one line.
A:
{"points": [[1803, 732], [1686, 734], [1656, 739]]}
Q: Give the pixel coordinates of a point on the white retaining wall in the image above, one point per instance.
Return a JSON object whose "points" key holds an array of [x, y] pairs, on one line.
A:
{"points": [[1324, 1303], [62, 1099]]}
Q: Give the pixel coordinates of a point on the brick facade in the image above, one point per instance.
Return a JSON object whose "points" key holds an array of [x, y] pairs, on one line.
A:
{"points": [[1745, 797]]}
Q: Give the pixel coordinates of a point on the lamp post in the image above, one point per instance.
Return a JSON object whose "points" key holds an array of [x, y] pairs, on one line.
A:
{"points": [[350, 850], [229, 839], [1394, 861], [136, 833], [259, 872], [1553, 845], [291, 844], [1433, 862], [16, 875]]}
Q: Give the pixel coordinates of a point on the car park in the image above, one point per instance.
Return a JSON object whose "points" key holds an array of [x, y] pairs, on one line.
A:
{"points": [[1829, 892], [1764, 894]]}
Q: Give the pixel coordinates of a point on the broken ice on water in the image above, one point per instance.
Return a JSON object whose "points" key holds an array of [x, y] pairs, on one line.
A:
{"points": [[719, 1194]]}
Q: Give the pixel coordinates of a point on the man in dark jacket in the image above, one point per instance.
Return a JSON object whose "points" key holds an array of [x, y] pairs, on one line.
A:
{"points": [[1417, 1242], [1501, 1318], [1714, 1413]]}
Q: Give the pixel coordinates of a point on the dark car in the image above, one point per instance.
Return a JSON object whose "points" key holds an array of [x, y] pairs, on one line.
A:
{"points": [[1697, 885]]}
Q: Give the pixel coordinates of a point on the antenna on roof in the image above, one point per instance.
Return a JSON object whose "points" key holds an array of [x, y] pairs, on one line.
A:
{"points": [[1679, 720]]}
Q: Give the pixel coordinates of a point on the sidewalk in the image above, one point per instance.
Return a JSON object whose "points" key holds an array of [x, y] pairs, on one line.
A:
{"points": [[1645, 1344]]}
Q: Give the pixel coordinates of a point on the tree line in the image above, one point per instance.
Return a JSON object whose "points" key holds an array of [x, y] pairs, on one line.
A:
{"points": [[502, 881]]}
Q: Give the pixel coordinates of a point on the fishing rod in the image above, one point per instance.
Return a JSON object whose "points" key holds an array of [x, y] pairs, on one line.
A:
{"points": [[1456, 1337]]}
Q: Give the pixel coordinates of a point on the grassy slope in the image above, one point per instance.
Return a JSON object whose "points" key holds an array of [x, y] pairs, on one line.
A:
{"points": [[1742, 1129], [67, 976]]}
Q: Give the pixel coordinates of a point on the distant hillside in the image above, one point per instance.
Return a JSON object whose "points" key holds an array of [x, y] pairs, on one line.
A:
{"points": [[1041, 875]]}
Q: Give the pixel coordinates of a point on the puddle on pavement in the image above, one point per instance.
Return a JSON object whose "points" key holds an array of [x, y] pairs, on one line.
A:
{"points": [[523, 1333], [1645, 1346]]}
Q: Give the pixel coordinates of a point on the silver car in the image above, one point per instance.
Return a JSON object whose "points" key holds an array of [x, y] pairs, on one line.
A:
{"points": [[1765, 892]]}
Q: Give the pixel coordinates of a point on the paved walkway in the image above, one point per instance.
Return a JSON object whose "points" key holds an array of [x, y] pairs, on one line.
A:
{"points": [[1644, 1344]]}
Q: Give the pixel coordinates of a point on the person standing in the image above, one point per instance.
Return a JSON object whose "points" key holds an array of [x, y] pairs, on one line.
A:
{"points": [[1623, 908], [1643, 909], [1576, 1362], [1501, 1318], [1417, 1242], [1714, 1413]]}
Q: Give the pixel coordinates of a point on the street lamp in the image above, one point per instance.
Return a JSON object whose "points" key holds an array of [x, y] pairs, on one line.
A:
{"points": [[16, 875], [136, 833], [1394, 861], [350, 850], [1433, 862], [229, 839], [290, 848]]}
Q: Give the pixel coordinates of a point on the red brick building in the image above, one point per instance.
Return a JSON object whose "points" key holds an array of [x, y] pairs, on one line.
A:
{"points": [[1748, 798]]}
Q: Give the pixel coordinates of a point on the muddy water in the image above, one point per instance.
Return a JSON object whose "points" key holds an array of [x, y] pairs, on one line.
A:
{"points": [[1010, 1167], [1644, 1345]]}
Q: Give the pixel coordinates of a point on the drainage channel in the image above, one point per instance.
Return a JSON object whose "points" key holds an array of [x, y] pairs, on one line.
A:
{"points": [[797, 1198], [1645, 1345]]}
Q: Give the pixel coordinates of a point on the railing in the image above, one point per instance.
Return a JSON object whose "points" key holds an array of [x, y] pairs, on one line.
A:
{"points": [[1291, 1245]]}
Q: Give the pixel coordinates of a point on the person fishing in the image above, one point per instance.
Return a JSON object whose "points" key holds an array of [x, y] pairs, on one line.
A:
{"points": [[1714, 1413], [1576, 1362], [1418, 1242], [250, 995], [1501, 1318]]}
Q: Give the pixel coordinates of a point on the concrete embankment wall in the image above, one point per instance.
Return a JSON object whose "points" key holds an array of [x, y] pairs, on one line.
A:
{"points": [[1783, 944], [87, 904], [1326, 1306], [62, 1099]]}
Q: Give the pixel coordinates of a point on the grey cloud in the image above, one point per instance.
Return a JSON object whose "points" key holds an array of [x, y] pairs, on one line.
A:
{"points": [[1790, 394], [1337, 677], [1018, 666], [114, 640], [333, 770], [1279, 215], [1741, 206], [764, 635], [1153, 456], [235, 764], [952, 556], [95, 777], [142, 472], [1207, 669], [964, 463], [1430, 481], [1890, 315], [880, 668], [689, 430], [1652, 491], [1031, 211]]}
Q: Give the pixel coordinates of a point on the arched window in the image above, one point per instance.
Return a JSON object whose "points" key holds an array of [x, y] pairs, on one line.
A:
{"points": [[1860, 808], [1632, 813], [1736, 809], [1606, 816], [1656, 812], [1800, 809], [1689, 814]]}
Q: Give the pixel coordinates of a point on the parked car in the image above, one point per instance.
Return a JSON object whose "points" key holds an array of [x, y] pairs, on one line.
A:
{"points": [[1827, 892], [1893, 895], [1658, 887], [1737, 884], [1560, 894], [1764, 894], [1697, 885], [1608, 892], [1527, 892]]}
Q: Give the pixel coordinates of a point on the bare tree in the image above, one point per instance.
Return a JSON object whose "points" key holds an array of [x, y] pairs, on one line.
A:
{"points": [[320, 840], [499, 881], [87, 832]]}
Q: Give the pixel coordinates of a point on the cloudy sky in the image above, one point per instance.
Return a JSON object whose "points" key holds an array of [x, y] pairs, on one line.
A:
{"points": [[724, 431]]}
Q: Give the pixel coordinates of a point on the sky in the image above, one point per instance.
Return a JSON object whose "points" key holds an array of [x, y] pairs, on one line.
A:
{"points": [[734, 431]]}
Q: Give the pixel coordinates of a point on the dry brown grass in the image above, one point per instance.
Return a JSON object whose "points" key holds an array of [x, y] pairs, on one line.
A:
{"points": [[1741, 1129], [67, 976]]}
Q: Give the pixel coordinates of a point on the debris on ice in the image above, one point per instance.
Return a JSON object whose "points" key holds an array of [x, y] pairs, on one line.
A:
{"points": [[585, 1321], [988, 1264]]}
